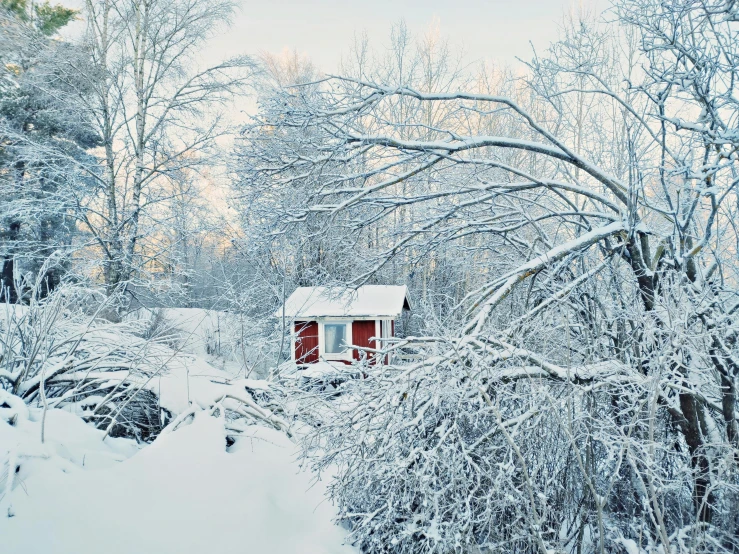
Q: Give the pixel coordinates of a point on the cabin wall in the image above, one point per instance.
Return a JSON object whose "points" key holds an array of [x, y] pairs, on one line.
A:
{"points": [[306, 342], [361, 333], [307, 337]]}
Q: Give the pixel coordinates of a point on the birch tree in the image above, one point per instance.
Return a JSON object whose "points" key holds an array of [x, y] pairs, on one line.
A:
{"points": [[158, 109]]}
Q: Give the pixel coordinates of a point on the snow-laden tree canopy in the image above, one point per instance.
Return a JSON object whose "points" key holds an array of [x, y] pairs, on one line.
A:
{"points": [[586, 396]]}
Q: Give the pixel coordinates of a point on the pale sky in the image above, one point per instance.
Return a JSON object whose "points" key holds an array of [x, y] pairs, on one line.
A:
{"points": [[324, 30], [498, 30]]}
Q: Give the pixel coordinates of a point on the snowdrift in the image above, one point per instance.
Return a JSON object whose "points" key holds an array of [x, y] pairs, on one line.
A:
{"points": [[184, 493], [221, 475]]}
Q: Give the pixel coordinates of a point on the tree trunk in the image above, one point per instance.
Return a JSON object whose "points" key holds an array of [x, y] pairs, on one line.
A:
{"points": [[703, 496]]}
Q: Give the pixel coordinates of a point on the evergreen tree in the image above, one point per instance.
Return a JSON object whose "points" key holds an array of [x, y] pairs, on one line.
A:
{"points": [[43, 139]]}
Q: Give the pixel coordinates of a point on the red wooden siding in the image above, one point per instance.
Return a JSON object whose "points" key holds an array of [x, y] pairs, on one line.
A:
{"points": [[361, 333], [306, 342]]}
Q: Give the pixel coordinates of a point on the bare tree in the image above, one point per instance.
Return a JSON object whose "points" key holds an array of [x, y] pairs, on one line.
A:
{"points": [[156, 110], [587, 399]]}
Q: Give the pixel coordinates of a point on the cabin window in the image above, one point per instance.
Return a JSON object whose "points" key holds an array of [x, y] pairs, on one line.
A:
{"points": [[335, 338]]}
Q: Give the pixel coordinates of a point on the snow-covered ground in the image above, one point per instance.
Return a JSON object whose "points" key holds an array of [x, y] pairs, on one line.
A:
{"points": [[209, 334], [185, 493]]}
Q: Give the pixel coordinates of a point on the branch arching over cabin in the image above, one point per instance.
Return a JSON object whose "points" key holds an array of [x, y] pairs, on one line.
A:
{"points": [[336, 324]]}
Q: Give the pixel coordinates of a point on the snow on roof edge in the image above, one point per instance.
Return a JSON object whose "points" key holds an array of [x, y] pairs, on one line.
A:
{"points": [[364, 301]]}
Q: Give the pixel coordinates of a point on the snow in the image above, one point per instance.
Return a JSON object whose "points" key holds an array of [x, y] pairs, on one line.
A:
{"points": [[200, 332], [322, 369], [185, 493], [190, 379], [317, 370], [80, 492], [179, 380], [629, 545], [197, 371], [365, 301]]}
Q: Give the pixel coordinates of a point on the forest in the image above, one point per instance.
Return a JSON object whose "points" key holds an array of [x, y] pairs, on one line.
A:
{"points": [[565, 380]]}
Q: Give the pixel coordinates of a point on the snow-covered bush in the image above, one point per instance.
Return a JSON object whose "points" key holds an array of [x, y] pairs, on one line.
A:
{"points": [[470, 453]]}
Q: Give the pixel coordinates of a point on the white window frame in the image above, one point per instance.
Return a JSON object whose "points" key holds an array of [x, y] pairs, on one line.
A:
{"points": [[384, 331], [342, 356]]}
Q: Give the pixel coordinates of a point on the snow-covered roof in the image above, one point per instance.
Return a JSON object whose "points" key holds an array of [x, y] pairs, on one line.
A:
{"points": [[365, 301]]}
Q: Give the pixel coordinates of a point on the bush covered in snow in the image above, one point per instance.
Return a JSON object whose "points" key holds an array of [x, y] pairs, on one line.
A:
{"points": [[469, 452], [60, 352]]}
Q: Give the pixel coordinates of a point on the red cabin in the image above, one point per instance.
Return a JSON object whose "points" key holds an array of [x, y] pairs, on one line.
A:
{"points": [[329, 323]]}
